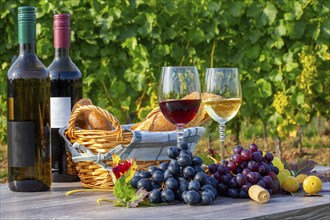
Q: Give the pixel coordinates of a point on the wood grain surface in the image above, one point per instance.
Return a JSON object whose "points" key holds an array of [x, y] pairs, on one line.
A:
{"points": [[56, 205]]}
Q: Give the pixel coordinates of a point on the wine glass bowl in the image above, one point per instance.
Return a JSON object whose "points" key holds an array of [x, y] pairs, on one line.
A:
{"points": [[223, 97], [180, 112], [179, 96]]}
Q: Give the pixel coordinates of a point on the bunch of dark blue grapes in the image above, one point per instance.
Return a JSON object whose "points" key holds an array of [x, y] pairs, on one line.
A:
{"points": [[182, 179]]}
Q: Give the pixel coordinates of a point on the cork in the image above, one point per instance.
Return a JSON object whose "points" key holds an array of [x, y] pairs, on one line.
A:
{"points": [[259, 194]]}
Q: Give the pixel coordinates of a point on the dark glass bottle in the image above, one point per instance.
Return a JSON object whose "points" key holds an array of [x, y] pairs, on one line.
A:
{"points": [[28, 93], [66, 90]]}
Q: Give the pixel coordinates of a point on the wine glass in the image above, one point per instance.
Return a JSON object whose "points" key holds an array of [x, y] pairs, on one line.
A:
{"points": [[223, 98], [179, 96]]}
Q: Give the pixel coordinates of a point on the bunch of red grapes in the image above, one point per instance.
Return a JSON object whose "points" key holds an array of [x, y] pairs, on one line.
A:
{"points": [[246, 167]]}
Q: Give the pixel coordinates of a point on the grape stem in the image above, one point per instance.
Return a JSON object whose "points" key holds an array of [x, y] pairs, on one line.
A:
{"points": [[87, 190], [255, 139], [222, 135]]}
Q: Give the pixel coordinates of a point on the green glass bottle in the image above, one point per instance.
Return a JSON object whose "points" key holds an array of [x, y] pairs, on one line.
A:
{"points": [[28, 98]]}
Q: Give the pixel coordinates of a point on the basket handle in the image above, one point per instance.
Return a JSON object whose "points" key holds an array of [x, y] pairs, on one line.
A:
{"points": [[114, 121]]}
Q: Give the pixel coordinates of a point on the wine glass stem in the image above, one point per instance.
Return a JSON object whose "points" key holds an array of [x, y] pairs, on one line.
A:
{"points": [[222, 135], [179, 130]]}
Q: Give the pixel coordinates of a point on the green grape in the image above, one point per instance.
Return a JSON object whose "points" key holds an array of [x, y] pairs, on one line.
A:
{"points": [[278, 163], [305, 79]]}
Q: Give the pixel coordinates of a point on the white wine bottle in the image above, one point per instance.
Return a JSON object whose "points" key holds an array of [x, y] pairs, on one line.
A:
{"points": [[28, 95]]}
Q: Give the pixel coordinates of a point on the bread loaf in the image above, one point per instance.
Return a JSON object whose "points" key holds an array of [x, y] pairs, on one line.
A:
{"points": [[97, 121], [81, 119], [89, 119]]}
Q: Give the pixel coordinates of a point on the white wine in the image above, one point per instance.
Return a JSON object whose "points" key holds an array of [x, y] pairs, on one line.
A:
{"points": [[222, 110]]}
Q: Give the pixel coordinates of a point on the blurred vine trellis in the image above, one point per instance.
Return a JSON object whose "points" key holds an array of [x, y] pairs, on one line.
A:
{"points": [[280, 47]]}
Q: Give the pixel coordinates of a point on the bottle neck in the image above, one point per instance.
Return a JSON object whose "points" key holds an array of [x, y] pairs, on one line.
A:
{"points": [[27, 48], [62, 52], [61, 38], [27, 37], [27, 32]]}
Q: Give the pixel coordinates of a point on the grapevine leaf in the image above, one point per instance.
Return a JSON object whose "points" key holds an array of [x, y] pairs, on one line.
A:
{"points": [[268, 15], [254, 11], [89, 50], [255, 35], [213, 7], [120, 188], [291, 66], [280, 29], [279, 43], [237, 9], [264, 88], [299, 29], [301, 166], [254, 52], [298, 10], [318, 87], [130, 43], [300, 98], [196, 35], [138, 197]]}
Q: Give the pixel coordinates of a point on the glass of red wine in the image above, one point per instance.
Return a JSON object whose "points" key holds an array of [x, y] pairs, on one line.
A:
{"points": [[179, 96]]}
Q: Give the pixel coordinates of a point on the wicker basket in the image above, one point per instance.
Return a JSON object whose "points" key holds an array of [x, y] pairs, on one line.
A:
{"points": [[91, 174], [93, 153]]}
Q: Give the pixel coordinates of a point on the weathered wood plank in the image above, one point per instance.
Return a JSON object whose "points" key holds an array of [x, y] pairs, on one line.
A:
{"points": [[56, 205], [320, 212]]}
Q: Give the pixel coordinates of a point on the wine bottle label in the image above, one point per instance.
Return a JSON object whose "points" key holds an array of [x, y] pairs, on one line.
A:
{"points": [[21, 144], [60, 110], [10, 108]]}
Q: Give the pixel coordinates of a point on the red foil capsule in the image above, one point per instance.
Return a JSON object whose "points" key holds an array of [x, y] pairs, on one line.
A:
{"points": [[62, 31]]}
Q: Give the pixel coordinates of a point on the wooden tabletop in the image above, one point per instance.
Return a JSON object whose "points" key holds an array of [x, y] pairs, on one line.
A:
{"points": [[56, 205]]}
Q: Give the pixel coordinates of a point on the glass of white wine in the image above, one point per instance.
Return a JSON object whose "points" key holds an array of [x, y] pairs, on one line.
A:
{"points": [[223, 98]]}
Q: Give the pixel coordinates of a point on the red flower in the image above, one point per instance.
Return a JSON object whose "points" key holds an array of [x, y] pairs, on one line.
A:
{"points": [[121, 168]]}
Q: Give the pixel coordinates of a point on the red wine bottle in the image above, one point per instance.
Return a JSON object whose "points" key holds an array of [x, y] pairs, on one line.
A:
{"points": [[28, 104], [65, 91]]}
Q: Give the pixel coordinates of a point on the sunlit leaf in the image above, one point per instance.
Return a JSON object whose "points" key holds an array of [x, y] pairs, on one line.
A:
{"points": [[281, 29], [269, 14], [264, 88], [298, 10]]}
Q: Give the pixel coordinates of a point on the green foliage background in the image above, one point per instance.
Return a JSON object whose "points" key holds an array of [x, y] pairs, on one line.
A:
{"points": [[121, 45]]}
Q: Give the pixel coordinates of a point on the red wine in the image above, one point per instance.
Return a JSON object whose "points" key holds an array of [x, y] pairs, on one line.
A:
{"points": [[66, 90], [28, 104], [180, 112]]}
